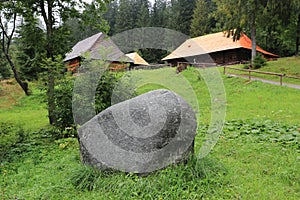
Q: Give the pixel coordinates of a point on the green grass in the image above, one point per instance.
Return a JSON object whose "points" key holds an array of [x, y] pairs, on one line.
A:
{"points": [[256, 157], [10, 93], [254, 100], [27, 111], [259, 170], [289, 66], [239, 167]]}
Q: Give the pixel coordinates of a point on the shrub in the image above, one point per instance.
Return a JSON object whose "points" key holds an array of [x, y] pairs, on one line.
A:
{"points": [[5, 72], [10, 136], [63, 105], [64, 97], [104, 91], [258, 62]]}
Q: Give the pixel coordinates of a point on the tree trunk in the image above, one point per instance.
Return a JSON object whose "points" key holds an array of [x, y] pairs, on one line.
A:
{"points": [[298, 36], [48, 19], [50, 95], [23, 85], [5, 49], [51, 82], [253, 39]]}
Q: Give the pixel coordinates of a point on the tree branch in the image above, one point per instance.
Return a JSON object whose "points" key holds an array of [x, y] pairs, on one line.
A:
{"points": [[12, 33], [3, 28], [43, 11]]}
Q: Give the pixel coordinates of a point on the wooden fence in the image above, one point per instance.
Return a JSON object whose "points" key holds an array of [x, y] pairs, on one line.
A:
{"points": [[249, 71]]}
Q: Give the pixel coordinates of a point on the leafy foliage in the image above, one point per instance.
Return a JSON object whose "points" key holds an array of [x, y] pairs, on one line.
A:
{"points": [[63, 105], [31, 49], [200, 23], [265, 131], [258, 62], [9, 10], [4, 68], [64, 95], [10, 136]]}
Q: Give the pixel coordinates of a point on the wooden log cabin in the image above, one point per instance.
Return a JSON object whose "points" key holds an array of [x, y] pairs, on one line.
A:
{"points": [[215, 48], [97, 47]]}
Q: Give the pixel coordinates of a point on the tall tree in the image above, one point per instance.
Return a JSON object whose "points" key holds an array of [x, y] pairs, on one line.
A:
{"points": [[9, 10], [274, 27], [124, 18], [142, 19], [53, 13], [31, 48], [110, 16], [159, 14], [240, 14], [200, 22], [182, 15], [296, 14]]}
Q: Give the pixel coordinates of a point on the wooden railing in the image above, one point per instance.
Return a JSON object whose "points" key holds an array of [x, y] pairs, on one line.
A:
{"points": [[261, 72]]}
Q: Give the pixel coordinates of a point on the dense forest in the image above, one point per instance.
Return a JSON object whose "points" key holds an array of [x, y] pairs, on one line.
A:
{"points": [[277, 23]]}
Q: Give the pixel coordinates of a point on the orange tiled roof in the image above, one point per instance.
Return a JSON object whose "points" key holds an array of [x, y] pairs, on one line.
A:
{"points": [[212, 43]]}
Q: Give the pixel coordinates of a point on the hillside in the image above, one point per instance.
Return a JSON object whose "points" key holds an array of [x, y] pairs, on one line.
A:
{"points": [[10, 93], [289, 66], [27, 111]]}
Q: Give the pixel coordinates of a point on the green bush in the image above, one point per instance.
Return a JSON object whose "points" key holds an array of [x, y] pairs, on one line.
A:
{"points": [[10, 136], [63, 105], [104, 91], [64, 97], [258, 62], [5, 72]]}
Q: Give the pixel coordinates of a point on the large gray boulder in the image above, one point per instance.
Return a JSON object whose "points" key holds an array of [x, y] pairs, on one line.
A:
{"points": [[140, 135]]}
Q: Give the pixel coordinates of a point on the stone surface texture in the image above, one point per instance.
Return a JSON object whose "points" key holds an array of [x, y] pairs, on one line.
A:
{"points": [[140, 135]]}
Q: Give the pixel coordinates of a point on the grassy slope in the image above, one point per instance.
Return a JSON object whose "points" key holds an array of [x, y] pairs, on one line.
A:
{"points": [[17, 108], [289, 66], [241, 167], [10, 94]]}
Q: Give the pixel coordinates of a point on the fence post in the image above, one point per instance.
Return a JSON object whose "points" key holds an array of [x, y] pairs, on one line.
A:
{"points": [[281, 79], [224, 70]]}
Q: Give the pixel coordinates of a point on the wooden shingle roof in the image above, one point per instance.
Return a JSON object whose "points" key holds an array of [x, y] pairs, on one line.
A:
{"points": [[211, 43], [99, 47]]}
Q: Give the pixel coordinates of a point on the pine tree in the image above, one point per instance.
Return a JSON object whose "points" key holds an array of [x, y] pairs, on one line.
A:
{"points": [[240, 14], [31, 49], [110, 16], [201, 22], [182, 15], [159, 14], [143, 16], [124, 18]]}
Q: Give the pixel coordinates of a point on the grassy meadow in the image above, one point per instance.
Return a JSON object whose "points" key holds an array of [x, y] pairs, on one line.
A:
{"points": [[29, 112], [257, 155], [289, 66]]}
